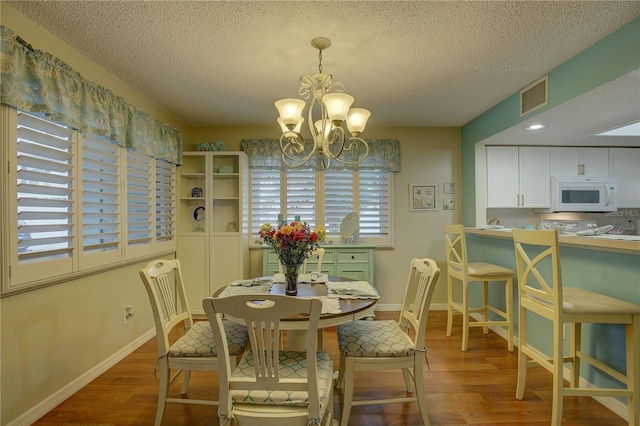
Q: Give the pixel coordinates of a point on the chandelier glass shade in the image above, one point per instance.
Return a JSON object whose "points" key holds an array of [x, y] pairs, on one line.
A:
{"points": [[331, 107]]}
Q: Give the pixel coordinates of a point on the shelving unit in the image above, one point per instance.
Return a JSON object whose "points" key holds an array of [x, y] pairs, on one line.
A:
{"points": [[214, 238]]}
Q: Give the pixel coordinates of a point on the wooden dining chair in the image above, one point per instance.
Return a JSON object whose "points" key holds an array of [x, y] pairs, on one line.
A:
{"points": [[196, 349], [459, 269], [271, 386], [541, 292], [390, 344]]}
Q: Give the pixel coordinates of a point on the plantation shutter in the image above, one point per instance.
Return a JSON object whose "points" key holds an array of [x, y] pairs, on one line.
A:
{"points": [[44, 189], [301, 196], [338, 198], [374, 200], [165, 201], [265, 198], [140, 179], [100, 198]]}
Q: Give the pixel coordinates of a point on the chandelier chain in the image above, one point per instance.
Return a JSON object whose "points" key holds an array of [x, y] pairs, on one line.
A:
{"points": [[320, 61]]}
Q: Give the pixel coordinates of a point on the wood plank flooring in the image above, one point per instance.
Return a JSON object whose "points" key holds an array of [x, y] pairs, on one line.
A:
{"points": [[476, 387]]}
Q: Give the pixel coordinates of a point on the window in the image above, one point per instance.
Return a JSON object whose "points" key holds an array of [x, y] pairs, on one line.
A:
{"points": [[165, 202], [139, 206], [324, 197], [100, 219], [68, 205], [45, 196]]}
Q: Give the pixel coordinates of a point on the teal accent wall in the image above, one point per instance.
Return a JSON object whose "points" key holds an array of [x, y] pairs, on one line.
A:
{"points": [[612, 57], [610, 273], [614, 274]]}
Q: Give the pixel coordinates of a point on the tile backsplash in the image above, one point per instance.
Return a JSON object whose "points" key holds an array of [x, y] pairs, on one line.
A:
{"points": [[624, 221]]}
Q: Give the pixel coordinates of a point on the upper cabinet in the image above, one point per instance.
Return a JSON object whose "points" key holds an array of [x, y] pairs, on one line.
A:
{"points": [[518, 177], [625, 167], [579, 161]]}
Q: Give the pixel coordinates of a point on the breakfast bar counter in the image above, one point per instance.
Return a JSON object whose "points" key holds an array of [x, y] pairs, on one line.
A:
{"points": [[605, 242]]}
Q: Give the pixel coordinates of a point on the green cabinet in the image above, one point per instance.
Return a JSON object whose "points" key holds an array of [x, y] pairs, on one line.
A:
{"points": [[353, 261]]}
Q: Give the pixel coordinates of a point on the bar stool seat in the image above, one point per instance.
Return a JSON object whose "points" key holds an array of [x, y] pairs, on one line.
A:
{"points": [[459, 269]]}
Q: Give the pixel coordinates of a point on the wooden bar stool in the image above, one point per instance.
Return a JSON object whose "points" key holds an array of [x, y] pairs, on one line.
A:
{"points": [[460, 269], [542, 293]]}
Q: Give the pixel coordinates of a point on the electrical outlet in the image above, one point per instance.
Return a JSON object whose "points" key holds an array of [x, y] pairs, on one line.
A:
{"points": [[128, 314]]}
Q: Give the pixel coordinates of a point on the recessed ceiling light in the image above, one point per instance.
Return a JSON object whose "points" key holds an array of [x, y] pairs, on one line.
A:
{"points": [[536, 126], [632, 129]]}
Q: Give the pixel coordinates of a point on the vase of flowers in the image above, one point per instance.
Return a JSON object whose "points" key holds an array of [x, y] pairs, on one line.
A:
{"points": [[292, 243]]}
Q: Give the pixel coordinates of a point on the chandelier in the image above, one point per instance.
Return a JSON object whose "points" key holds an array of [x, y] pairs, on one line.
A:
{"points": [[332, 107]]}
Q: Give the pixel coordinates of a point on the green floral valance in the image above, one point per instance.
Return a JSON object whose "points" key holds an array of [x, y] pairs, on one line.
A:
{"points": [[36, 81], [384, 154]]}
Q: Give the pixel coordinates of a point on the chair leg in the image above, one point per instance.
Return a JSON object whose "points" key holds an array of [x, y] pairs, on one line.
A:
{"points": [[485, 302], [522, 358], [185, 381], [419, 385], [340, 380], [574, 346], [449, 305], [508, 292], [558, 381], [347, 393], [633, 370], [407, 380], [163, 390], [465, 317]]}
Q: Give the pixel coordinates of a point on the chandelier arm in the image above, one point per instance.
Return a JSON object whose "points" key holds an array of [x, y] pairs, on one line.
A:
{"points": [[293, 143], [354, 142], [336, 136]]}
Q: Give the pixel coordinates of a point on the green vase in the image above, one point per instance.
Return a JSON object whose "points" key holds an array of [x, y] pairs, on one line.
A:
{"points": [[291, 279]]}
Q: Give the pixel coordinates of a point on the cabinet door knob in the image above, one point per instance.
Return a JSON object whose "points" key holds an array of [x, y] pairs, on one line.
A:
{"points": [[353, 257]]}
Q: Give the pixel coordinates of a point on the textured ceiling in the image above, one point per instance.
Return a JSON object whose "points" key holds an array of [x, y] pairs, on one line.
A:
{"points": [[418, 63]]}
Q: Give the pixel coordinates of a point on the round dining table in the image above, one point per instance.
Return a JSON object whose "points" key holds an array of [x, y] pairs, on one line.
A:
{"points": [[351, 309]]}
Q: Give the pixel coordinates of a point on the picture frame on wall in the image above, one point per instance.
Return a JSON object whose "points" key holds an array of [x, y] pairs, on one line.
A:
{"points": [[422, 197], [448, 188], [448, 204]]}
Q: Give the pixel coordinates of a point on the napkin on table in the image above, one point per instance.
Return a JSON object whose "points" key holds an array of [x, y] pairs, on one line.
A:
{"points": [[352, 290], [239, 289]]}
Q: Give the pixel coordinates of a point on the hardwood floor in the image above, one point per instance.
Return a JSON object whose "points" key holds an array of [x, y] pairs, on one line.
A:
{"points": [[472, 388]]}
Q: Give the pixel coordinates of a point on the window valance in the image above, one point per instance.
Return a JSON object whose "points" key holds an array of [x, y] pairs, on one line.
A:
{"points": [[384, 154], [37, 82]]}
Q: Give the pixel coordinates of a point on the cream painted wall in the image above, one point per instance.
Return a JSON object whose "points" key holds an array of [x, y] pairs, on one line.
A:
{"points": [[51, 337], [54, 337], [427, 155]]}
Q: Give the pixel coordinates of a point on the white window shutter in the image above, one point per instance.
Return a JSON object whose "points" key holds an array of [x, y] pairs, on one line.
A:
{"points": [[140, 204], [166, 210]]}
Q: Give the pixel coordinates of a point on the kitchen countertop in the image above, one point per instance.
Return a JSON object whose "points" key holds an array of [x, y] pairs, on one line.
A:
{"points": [[604, 242]]}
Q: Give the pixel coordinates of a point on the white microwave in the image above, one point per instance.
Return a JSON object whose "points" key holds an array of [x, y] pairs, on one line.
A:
{"points": [[583, 194]]}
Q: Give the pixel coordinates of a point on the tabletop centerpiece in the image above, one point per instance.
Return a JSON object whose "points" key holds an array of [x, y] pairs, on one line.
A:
{"points": [[293, 244]]}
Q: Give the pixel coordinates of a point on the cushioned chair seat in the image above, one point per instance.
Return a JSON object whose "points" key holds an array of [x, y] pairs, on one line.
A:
{"points": [[293, 365], [198, 341], [374, 339]]}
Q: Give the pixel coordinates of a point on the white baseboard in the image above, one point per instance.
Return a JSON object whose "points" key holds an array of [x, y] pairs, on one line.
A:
{"points": [[54, 400]]}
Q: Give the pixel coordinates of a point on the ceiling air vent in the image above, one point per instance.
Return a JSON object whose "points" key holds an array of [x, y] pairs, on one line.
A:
{"points": [[534, 96]]}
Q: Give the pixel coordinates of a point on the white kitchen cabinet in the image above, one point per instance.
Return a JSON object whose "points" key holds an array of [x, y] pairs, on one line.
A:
{"points": [[213, 244], [625, 167], [579, 161], [518, 177]]}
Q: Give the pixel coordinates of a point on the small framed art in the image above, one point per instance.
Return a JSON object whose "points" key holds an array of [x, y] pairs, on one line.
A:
{"points": [[422, 197], [448, 204], [448, 188]]}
